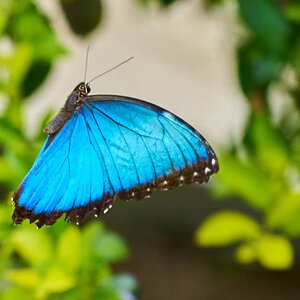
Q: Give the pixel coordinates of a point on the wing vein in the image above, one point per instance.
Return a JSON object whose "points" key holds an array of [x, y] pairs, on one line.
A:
{"points": [[192, 147], [89, 130], [151, 159], [180, 150], [168, 153], [106, 115], [108, 148], [136, 171]]}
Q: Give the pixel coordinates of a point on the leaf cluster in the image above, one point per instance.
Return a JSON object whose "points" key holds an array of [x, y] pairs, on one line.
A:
{"points": [[263, 168], [62, 262]]}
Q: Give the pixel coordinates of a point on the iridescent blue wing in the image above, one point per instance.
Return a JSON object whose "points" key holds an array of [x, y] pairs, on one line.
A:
{"points": [[67, 173], [112, 145], [151, 145]]}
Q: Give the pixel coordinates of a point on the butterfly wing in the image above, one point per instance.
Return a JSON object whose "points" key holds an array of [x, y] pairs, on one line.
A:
{"points": [[66, 174], [112, 145], [150, 143]]}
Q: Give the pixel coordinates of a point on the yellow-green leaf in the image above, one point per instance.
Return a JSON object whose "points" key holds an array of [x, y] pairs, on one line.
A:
{"points": [[69, 249], [246, 253], [275, 252], [111, 247], [32, 244], [55, 281], [246, 179], [285, 214], [226, 227], [26, 277]]}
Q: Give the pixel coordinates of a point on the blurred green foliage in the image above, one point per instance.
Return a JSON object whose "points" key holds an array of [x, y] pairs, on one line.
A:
{"points": [[83, 15], [61, 262], [263, 168], [163, 3]]}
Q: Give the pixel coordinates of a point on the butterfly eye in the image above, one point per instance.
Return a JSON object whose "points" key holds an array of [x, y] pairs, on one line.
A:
{"points": [[88, 89]]}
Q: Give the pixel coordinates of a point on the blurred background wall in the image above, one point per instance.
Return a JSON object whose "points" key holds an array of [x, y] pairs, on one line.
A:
{"points": [[193, 77]]}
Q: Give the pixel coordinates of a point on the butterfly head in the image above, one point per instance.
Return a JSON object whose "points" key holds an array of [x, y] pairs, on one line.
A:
{"points": [[82, 89], [76, 99]]}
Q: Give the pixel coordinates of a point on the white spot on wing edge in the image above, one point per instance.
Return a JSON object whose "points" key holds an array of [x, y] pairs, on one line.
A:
{"points": [[207, 170]]}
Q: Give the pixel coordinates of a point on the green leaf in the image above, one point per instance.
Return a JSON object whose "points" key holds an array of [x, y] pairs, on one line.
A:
{"points": [[83, 16], [93, 231], [268, 143], [225, 228], [271, 251], [295, 61], [14, 292], [107, 294], [284, 215], [28, 25], [90, 235], [26, 277], [275, 252], [5, 218], [110, 247], [264, 18], [163, 3], [256, 67], [5, 10], [246, 253], [292, 12], [245, 178], [105, 245], [34, 77], [69, 249], [32, 244], [211, 3], [19, 65], [55, 281]]}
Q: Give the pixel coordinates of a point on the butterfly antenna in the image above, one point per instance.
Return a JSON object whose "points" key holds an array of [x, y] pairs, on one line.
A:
{"points": [[115, 67], [86, 62]]}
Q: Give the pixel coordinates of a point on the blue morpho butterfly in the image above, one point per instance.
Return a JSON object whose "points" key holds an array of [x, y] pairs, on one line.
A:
{"points": [[102, 146]]}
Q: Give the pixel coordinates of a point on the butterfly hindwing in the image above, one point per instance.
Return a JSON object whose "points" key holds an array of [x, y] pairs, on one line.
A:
{"points": [[111, 145]]}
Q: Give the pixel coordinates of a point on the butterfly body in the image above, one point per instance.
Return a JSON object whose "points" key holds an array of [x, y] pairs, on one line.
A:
{"points": [[102, 146], [73, 103]]}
